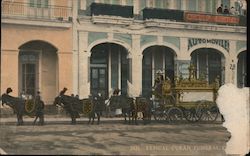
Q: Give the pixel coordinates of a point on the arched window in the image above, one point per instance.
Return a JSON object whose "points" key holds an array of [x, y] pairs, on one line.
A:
{"points": [[209, 64]]}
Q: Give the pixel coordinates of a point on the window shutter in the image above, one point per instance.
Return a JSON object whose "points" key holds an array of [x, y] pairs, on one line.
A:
{"points": [[130, 70], [88, 70]]}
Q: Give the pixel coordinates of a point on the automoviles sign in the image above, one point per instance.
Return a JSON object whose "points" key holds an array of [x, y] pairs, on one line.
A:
{"points": [[195, 41]]}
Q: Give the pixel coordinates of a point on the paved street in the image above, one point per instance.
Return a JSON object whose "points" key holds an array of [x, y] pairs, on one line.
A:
{"points": [[111, 137]]}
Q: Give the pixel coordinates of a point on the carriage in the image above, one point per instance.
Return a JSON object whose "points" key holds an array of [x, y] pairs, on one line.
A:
{"points": [[91, 106], [23, 106], [190, 98]]}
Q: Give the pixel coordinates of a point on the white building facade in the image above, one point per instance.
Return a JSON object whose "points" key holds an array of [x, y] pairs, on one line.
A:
{"points": [[124, 51], [92, 46]]}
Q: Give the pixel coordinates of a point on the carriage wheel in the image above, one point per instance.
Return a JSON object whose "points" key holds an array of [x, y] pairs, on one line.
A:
{"points": [[160, 116], [210, 114], [86, 107], [175, 114], [191, 115], [30, 107]]}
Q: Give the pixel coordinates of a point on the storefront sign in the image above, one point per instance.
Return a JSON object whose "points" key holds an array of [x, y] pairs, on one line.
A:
{"points": [[197, 17], [195, 41]]}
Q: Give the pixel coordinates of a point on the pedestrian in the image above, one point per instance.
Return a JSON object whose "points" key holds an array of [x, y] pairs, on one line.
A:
{"points": [[232, 11], [239, 6], [219, 9], [39, 109], [77, 96], [226, 11]]}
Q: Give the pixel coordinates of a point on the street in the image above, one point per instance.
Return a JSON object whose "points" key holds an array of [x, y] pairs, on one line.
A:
{"points": [[58, 136]]}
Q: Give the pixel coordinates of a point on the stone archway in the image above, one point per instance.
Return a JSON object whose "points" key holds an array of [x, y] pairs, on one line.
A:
{"points": [[109, 69], [209, 63], [156, 58], [38, 70]]}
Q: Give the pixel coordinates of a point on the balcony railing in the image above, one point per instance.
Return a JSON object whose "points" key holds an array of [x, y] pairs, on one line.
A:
{"points": [[193, 17], [111, 10], [26, 10]]}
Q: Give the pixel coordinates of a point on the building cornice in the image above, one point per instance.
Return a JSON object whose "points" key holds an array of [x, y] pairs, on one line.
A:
{"points": [[133, 24], [104, 19], [40, 22], [193, 26]]}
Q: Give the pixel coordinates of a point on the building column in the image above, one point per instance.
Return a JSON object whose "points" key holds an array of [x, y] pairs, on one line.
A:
{"points": [[184, 5], [183, 54], [136, 7], [183, 57], [9, 71], [75, 48], [231, 64], [83, 4], [136, 55], [202, 5], [84, 66], [65, 73], [171, 4]]}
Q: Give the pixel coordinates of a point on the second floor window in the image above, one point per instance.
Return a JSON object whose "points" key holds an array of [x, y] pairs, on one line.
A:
{"points": [[39, 3]]}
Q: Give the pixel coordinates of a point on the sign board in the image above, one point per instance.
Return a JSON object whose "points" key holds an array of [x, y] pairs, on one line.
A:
{"points": [[201, 17], [190, 96], [182, 68]]}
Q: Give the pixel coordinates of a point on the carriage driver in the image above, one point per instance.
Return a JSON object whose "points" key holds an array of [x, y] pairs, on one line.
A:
{"points": [[39, 109], [158, 82], [62, 92], [8, 90]]}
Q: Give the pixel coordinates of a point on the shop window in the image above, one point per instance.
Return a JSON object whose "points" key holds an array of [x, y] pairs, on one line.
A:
{"points": [[209, 65], [28, 73]]}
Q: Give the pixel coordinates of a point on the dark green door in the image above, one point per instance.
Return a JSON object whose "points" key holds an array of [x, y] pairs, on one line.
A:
{"points": [[99, 83]]}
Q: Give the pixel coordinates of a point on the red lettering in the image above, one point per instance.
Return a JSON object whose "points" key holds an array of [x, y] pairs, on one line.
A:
{"points": [[195, 17]]}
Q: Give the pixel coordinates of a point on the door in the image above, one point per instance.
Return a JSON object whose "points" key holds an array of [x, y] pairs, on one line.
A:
{"points": [[99, 83], [29, 78]]}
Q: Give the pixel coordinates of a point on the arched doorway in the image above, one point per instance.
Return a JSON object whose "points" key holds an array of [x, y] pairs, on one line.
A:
{"points": [[156, 58], [109, 69], [209, 63], [38, 64], [242, 69]]}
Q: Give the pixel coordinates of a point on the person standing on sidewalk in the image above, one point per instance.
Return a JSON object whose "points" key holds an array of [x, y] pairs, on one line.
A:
{"points": [[39, 109]]}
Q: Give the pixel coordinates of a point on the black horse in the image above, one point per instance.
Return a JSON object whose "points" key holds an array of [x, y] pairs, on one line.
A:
{"points": [[97, 106], [71, 104], [17, 104], [125, 103]]}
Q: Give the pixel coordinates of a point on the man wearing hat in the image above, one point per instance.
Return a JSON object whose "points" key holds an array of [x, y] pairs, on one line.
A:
{"points": [[39, 109], [8, 90], [158, 82], [62, 92]]}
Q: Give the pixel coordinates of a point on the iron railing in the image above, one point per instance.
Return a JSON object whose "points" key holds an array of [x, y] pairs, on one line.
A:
{"points": [[27, 10]]}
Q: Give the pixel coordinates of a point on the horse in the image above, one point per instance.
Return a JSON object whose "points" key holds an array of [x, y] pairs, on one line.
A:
{"points": [[97, 105], [17, 104], [72, 106], [145, 106], [125, 103]]}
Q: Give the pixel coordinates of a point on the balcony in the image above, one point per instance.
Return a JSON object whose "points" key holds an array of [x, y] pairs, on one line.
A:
{"points": [[193, 17], [14, 10], [156, 13], [98, 9]]}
